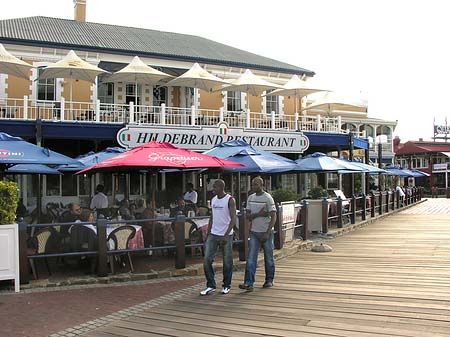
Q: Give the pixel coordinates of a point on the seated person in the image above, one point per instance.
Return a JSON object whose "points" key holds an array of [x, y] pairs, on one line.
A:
{"points": [[151, 230], [181, 207], [124, 210], [140, 207]]}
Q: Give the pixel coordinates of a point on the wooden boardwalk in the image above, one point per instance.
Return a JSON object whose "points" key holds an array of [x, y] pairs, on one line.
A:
{"points": [[391, 278]]}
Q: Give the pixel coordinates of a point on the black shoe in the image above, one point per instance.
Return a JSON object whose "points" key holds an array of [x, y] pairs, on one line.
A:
{"points": [[247, 287], [268, 284]]}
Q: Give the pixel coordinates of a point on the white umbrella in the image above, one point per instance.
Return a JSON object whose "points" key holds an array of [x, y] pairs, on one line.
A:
{"points": [[138, 72], [73, 67], [332, 101], [251, 84], [297, 88], [11, 65], [197, 77]]}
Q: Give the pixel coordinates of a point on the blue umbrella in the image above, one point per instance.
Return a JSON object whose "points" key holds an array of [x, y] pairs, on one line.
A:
{"points": [[31, 169], [365, 168], [14, 150], [254, 160], [398, 171], [419, 173], [91, 158], [320, 162]]}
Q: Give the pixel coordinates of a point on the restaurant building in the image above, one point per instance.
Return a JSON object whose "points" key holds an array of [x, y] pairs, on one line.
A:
{"points": [[105, 113]]}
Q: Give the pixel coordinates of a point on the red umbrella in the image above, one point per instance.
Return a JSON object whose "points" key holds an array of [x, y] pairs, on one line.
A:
{"points": [[156, 156]]}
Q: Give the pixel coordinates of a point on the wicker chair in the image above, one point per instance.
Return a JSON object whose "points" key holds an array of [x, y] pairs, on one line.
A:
{"points": [[121, 236], [40, 244]]}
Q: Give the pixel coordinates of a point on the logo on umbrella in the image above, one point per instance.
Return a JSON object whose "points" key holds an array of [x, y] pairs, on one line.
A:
{"points": [[7, 153], [172, 158]]}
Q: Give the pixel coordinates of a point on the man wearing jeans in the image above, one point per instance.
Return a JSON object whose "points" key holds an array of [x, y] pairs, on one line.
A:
{"points": [[261, 211], [220, 232]]}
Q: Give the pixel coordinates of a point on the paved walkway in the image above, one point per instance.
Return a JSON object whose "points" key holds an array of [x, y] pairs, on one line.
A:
{"points": [[391, 278]]}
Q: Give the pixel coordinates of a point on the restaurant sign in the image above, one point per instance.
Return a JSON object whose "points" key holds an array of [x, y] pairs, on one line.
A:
{"points": [[198, 138]]}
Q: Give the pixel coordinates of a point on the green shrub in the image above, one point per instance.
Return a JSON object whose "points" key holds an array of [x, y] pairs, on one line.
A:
{"points": [[281, 195], [8, 202], [317, 193]]}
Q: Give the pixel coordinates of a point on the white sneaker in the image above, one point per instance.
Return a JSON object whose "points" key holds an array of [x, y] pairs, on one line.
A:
{"points": [[225, 290], [207, 291]]}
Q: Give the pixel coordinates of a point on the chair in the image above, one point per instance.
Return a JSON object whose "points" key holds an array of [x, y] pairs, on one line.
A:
{"points": [[41, 243], [193, 235], [121, 236]]}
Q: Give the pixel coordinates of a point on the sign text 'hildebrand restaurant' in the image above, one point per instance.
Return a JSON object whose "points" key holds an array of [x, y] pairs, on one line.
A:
{"points": [[204, 138]]}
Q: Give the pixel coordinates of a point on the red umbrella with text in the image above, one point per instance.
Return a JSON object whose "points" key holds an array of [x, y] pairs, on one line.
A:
{"points": [[155, 156]]}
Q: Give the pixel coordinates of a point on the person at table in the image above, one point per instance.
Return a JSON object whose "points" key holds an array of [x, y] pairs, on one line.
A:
{"points": [[72, 214], [220, 232], [261, 211], [124, 210], [84, 238], [152, 230], [191, 195], [140, 207], [182, 208], [99, 200]]}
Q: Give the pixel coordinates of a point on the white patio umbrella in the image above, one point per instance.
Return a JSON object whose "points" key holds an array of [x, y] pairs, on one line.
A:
{"points": [[295, 87], [138, 72], [11, 65], [251, 84], [332, 101], [72, 67], [197, 77]]}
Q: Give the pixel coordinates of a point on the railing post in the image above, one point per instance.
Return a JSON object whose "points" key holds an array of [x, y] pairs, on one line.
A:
{"points": [[163, 114], [23, 259], [380, 208], [304, 220], [364, 207], [353, 206], [393, 200], [397, 195], [272, 120], [325, 215], [318, 124], [25, 107], [221, 114], [102, 266], [62, 109], [243, 235], [193, 115], [97, 111], [339, 212], [372, 204], [180, 256], [296, 122], [247, 122], [387, 201], [131, 117], [279, 229]]}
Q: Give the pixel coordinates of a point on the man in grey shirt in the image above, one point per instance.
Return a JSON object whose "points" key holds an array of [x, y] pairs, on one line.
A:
{"points": [[261, 211]]}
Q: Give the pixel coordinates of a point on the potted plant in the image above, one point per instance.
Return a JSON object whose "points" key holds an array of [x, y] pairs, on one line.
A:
{"points": [[9, 234], [315, 200]]}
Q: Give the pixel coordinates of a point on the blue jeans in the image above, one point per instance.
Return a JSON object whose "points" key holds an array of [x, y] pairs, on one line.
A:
{"points": [[211, 244], [252, 259]]}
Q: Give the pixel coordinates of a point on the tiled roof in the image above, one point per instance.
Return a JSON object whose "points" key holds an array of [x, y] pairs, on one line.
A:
{"points": [[422, 147], [63, 33]]}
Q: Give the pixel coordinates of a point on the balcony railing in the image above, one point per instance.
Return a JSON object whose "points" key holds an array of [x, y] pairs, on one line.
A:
{"points": [[88, 112]]}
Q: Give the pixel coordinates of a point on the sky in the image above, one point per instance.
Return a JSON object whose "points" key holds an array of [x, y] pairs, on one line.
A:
{"points": [[394, 52]]}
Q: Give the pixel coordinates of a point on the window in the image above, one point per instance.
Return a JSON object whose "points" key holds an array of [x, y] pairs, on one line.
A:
{"points": [[332, 181], [53, 185], [233, 101], [84, 183], [69, 185], [135, 183], [130, 94], [348, 126], [106, 92], [45, 87], [272, 104], [159, 95], [369, 130]]}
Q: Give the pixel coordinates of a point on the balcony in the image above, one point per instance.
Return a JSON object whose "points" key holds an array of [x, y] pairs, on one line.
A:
{"points": [[88, 112]]}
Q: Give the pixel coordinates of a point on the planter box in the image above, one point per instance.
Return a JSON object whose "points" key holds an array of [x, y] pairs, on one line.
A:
{"points": [[315, 214], [9, 254]]}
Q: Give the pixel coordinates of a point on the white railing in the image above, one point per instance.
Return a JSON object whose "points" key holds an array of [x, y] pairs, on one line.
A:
{"points": [[88, 112]]}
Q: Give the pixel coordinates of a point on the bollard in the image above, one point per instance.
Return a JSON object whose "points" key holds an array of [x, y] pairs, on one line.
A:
{"points": [[364, 207], [339, 212], [23, 259], [180, 256], [325, 215], [304, 220], [102, 258], [279, 229], [353, 206], [243, 235]]}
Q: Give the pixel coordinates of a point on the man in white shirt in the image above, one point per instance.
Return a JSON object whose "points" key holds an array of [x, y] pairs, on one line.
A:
{"points": [[191, 195], [99, 200]]}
